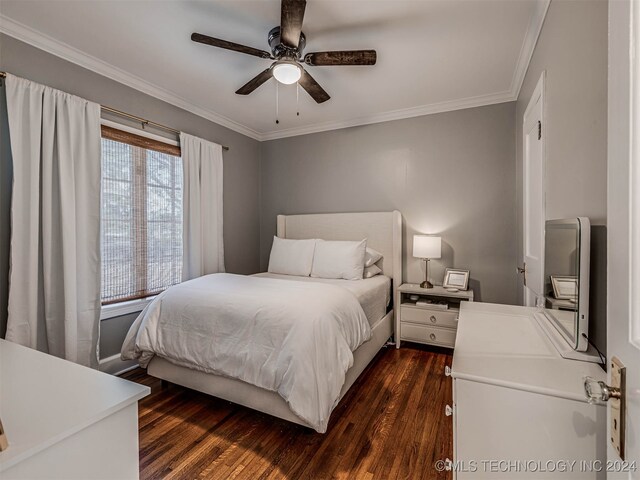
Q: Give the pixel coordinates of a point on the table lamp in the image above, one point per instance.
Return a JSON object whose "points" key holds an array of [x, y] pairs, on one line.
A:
{"points": [[426, 247]]}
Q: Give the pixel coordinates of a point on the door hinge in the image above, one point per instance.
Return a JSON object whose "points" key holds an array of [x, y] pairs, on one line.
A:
{"points": [[539, 129]]}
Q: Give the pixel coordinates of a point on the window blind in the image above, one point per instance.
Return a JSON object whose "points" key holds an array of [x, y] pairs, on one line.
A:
{"points": [[141, 216]]}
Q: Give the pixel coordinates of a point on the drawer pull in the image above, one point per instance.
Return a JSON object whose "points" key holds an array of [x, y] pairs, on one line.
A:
{"points": [[432, 336], [447, 371], [448, 411], [433, 319]]}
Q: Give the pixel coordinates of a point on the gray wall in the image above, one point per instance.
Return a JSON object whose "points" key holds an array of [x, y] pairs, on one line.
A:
{"points": [[241, 162], [572, 49], [450, 174]]}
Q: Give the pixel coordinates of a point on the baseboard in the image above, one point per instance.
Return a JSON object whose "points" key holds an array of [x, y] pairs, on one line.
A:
{"points": [[115, 365]]}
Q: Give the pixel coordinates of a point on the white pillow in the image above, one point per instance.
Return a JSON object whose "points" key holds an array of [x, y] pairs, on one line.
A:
{"points": [[373, 256], [337, 259], [372, 271], [291, 257]]}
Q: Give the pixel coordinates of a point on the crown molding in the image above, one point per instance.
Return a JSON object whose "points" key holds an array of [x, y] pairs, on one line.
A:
{"points": [[529, 46], [73, 55], [60, 49], [441, 107]]}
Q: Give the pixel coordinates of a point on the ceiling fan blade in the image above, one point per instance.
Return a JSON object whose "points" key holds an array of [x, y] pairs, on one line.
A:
{"points": [[313, 88], [255, 82], [346, 57], [291, 16], [236, 47]]}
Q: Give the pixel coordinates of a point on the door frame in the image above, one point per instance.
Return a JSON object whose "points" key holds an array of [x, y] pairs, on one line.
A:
{"points": [[537, 97], [623, 226], [634, 178]]}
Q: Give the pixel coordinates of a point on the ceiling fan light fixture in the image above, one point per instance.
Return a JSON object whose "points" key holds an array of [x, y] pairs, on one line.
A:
{"points": [[287, 72]]}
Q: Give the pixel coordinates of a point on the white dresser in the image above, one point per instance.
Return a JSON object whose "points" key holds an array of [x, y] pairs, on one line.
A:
{"points": [[65, 421], [515, 399]]}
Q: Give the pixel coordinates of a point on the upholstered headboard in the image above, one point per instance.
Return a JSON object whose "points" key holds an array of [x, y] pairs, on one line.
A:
{"points": [[383, 231]]}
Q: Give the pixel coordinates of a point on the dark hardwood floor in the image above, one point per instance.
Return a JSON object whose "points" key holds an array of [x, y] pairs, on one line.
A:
{"points": [[391, 424]]}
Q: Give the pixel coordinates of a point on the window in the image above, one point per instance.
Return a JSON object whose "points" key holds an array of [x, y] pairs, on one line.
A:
{"points": [[141, 216]]}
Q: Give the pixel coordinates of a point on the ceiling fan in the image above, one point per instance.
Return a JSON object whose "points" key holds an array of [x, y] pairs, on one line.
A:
{"points": [[287, 43]]}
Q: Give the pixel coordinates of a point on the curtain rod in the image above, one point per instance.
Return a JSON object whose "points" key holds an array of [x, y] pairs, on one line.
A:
{"points": [[141, 120], [144, 121]]}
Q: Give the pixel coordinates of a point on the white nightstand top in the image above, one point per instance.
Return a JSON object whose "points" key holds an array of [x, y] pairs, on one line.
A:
{"points": [[436, 291]]}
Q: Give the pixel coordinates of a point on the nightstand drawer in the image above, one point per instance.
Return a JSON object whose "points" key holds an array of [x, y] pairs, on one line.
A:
{"points": [[444, 318], [422, 333]]}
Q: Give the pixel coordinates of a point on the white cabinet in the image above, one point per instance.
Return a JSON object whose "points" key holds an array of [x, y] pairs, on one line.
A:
{"points": [[519, 408], [434, 323], [65, 421]]}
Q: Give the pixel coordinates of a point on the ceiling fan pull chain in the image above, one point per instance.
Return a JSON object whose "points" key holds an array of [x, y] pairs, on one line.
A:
{"points": [[297, 99], [277, 101]]}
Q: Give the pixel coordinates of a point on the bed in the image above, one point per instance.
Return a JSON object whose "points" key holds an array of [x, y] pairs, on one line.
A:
{"points": [[383, 233]]}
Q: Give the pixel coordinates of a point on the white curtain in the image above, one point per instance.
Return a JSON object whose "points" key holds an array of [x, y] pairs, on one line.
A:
{"points": [[54, 289], [203, 249]]}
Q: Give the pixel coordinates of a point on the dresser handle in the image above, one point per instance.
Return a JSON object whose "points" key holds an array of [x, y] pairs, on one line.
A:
{"points": [[448, 411], [433, 319], [432, 336], [447, 371]]}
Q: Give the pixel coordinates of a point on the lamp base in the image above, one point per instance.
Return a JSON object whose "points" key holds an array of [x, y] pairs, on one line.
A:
{"points": [[426, 284]]}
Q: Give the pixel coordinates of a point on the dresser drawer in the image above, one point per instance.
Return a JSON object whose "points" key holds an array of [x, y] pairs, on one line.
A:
{"points": [[440, 318], [426, 334]]}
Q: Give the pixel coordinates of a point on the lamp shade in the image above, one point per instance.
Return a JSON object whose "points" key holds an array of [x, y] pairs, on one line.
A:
{"points": [[426, 246]]}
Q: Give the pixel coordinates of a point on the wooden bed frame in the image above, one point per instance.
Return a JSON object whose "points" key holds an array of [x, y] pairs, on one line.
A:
{"points": [[383, 231]]}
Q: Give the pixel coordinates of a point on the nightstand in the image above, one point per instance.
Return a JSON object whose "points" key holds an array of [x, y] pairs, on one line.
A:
{"points": [[434, 322]]}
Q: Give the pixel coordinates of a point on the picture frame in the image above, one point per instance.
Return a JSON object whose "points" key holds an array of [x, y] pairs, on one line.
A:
{"points": [[456, 278], [564, 287]]}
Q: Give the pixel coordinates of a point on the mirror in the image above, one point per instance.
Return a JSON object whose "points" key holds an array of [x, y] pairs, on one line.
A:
{"points": [[566, 278]]}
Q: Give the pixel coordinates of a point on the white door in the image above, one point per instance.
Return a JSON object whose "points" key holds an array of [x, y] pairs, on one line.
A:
{"points": [[623, 219], [532, 269]]}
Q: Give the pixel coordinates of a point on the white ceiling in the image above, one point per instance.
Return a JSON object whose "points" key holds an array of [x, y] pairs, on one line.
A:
{"points": [[433, 55]]}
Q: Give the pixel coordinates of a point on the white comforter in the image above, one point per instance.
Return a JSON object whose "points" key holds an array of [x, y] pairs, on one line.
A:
{"points": [[294, 338]]}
